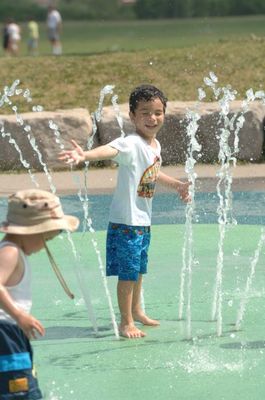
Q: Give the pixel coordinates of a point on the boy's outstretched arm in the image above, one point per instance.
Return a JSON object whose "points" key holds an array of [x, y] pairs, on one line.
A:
{"points": [[181, 187], [8, 264], [78, 155]]}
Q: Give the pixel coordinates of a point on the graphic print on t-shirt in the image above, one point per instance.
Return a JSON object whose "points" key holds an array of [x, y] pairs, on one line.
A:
{"points": [[146, 187]]}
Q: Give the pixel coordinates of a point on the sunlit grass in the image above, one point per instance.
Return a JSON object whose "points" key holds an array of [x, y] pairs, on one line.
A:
{"points": [[177, 63]]}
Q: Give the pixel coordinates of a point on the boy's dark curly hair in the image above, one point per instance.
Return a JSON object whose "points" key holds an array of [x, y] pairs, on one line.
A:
{"points": [[145, 93]]}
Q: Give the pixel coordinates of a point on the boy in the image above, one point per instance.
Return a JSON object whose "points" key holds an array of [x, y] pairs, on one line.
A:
{"points": [[34, 216], [128, 234]]}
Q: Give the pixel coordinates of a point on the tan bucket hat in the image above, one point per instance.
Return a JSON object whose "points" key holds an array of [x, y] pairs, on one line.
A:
{"points": [[36, 211]]}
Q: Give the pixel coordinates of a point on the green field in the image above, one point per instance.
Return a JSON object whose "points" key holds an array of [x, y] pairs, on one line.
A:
{"points": [[89, 37], [173, 54]]}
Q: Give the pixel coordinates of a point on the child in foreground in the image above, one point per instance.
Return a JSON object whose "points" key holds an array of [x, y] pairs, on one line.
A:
{"points": [[128, 236], [34, 216]]}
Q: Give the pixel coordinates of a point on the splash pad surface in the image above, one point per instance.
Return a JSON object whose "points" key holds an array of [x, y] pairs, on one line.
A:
{"points": [[73, 363]]}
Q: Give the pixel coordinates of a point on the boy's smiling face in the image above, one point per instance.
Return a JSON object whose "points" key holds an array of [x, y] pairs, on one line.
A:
{"points": [[148, 118]]}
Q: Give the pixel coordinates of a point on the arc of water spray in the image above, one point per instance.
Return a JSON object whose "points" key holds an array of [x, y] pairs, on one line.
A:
{"points": [[9, 92], [32, 141], [250, 96], [191, 129], [56, 133], [5, 99], [187, 251], [225, 157], [78, 270], [24, 162], [225, 201], [80, 278], [87, 222], [118, 114], [244, 299], [96, 116]]}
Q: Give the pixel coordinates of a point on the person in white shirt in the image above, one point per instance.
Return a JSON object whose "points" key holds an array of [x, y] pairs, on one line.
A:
{"points": [[128, 238], [54, 27], [14, 35]]}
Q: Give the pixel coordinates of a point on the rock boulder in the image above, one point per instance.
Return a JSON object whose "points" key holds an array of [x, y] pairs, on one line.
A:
{"points": [[173, 135], [47, 131], [41, 129]]}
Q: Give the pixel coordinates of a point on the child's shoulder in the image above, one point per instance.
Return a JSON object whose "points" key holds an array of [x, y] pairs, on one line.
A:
{"points": [[9, 248], [134, 138], [131, 136], [130, 139], [9, 254]]}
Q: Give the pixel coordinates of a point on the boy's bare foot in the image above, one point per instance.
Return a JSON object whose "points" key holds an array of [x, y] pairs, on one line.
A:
{"points": [[144, 319], [130, 331]]}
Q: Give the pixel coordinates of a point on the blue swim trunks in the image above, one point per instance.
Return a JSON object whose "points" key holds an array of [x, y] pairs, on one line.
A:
{"points": [[127, 251], [17, 378]]}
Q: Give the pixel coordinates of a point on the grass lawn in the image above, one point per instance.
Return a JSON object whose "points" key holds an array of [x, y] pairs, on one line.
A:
{"points": [[89, 37], [174, 54]]}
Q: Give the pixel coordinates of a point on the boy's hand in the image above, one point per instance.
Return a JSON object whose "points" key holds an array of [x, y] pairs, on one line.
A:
{"points": [[30, 325], [73, 156], [183, 191], [181, 187]]}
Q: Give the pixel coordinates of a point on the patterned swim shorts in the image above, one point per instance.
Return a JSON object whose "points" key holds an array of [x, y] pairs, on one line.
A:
{"points": [[127, 251], [17, 377]]}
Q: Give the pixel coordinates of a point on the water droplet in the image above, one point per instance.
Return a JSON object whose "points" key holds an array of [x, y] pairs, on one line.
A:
{"points": [[208, 81], [213, 77], [37, 108], [27, 128], [201, 94]]}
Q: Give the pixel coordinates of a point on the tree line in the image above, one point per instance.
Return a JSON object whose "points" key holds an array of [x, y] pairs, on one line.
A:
{"points": [[140, 9], [197, 8]]}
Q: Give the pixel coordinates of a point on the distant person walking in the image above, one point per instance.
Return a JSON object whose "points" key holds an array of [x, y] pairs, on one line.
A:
{"points": [[14, 38], [33, 37], [54, 26], [6, 37]]}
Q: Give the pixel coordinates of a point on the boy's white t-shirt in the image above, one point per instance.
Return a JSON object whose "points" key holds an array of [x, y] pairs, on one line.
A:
{"points": [[139, 165]]}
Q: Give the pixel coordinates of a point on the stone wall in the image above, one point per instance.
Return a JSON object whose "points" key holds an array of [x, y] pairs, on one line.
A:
{"points": [[71, 124], [76, 124], [173, 136]]}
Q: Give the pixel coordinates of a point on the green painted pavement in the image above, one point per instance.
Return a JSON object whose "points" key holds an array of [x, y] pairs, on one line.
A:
{"points": [[73, 363]]}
